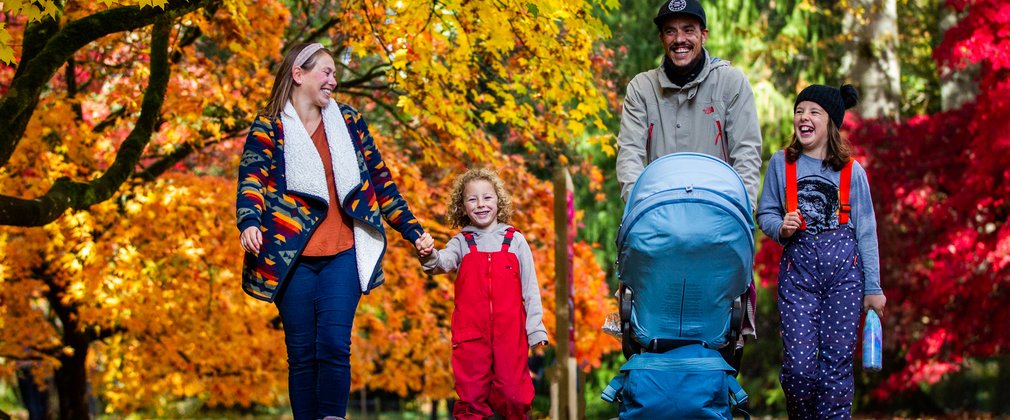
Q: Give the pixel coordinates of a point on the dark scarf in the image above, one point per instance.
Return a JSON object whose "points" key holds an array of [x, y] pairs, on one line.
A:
{"points": [[685, 78]]}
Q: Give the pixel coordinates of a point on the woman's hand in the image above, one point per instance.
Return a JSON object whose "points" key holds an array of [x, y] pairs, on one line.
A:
{"points": [[425, 245], [252, 240], [539, 348], [790, 223], [875, 302]]}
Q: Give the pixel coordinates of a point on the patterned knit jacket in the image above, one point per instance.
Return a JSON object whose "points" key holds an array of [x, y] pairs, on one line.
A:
{"points": [[282, 190]]}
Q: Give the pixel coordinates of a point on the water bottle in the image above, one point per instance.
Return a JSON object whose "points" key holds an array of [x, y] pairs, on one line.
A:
{"points": [[872, 340]]}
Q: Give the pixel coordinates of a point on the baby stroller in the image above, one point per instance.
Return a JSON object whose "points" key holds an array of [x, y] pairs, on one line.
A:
{"points": [[685, 258]]}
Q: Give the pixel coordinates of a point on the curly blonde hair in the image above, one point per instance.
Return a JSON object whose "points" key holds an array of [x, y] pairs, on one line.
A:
{"points": [[457, 206]]}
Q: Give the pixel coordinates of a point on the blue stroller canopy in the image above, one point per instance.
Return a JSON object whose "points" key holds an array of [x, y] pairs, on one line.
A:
{"points": [[686, 249]]}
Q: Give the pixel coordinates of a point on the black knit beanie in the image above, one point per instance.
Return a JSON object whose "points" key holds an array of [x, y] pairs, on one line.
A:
{"points": [[834, 101]]}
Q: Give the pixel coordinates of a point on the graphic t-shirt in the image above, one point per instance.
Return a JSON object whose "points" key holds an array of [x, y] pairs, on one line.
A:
{"points": [[817, 197]]}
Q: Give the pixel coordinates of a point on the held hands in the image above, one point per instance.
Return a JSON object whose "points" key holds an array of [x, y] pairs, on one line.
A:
{"points": [[252, 240], [538, 348], [875, 302], [425, 245], [790, 223]]}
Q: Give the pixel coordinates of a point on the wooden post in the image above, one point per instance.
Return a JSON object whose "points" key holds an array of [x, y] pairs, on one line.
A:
{"points": [[363, 398], [566, 395]]}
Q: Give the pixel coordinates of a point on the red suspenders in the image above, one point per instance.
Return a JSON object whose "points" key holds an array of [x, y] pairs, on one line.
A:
{"points": [[845, 179], [509, 233], [843, 194], [792, 202]]}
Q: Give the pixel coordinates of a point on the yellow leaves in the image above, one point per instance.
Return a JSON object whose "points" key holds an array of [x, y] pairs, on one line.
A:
{"points": [[237, 12], [6, 52], [152, 3], [33, 10], [605, 142], [534, 66], [38, 10], [489, 117], [407, 105], [398, 59]]}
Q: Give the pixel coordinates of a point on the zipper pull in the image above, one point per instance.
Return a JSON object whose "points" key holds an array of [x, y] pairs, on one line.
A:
{"points": [[648, 145]]}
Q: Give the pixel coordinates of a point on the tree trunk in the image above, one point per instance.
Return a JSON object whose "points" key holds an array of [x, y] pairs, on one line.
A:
{"points": [[872, 65], [72, 377], [1001, 395], [956, 87]]}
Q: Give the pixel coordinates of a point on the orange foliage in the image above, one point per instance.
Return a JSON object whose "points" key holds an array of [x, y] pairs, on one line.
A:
{"points": [[160, 269], [154, 269]]}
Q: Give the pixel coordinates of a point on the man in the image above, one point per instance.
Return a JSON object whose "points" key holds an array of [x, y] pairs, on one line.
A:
{"points": [[692, 103]]}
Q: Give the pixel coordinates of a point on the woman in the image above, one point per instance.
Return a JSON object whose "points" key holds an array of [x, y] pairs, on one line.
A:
{"points": [[313, 191]]}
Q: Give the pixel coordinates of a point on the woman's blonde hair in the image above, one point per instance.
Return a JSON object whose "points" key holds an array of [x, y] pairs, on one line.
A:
{"points": [[284, 82], [457, 205]]}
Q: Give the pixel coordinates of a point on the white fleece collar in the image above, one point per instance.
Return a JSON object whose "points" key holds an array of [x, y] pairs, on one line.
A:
{"points": [[303, 168]]}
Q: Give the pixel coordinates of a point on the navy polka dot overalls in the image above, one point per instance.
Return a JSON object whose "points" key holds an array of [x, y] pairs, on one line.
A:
{"points": [[820, 299]]}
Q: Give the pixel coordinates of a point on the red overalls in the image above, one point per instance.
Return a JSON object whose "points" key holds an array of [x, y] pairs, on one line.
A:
{"points": [[489, 345]]}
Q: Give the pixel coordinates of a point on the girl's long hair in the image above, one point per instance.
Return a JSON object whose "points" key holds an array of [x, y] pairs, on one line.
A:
{"points": [[284, 82]]}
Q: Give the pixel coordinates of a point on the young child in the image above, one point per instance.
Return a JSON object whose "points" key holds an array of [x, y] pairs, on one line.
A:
{"points": [[830, 265], [498, 315]]}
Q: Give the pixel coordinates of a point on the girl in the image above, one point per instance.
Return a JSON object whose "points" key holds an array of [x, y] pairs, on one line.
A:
{"points": [[311, 246], [491, 331], [830, 264]]}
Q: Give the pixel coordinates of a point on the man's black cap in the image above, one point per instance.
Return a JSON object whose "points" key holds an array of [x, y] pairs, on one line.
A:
{"points": [[680, 7]]}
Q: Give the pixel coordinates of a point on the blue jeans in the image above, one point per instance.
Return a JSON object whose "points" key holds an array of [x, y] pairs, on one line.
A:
{"points": [[317, 309]]}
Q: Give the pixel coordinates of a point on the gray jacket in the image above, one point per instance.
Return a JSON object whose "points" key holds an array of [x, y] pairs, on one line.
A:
{"points": [[713, 114], [449, 259]]}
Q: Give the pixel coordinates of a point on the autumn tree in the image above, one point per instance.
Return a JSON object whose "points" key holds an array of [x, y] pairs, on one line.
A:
{"points": [[79, 112], [943, 206], [122, 123]]}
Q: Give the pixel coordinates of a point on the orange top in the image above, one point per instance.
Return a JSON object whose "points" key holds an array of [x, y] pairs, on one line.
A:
{"points": [[335, 233]]}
